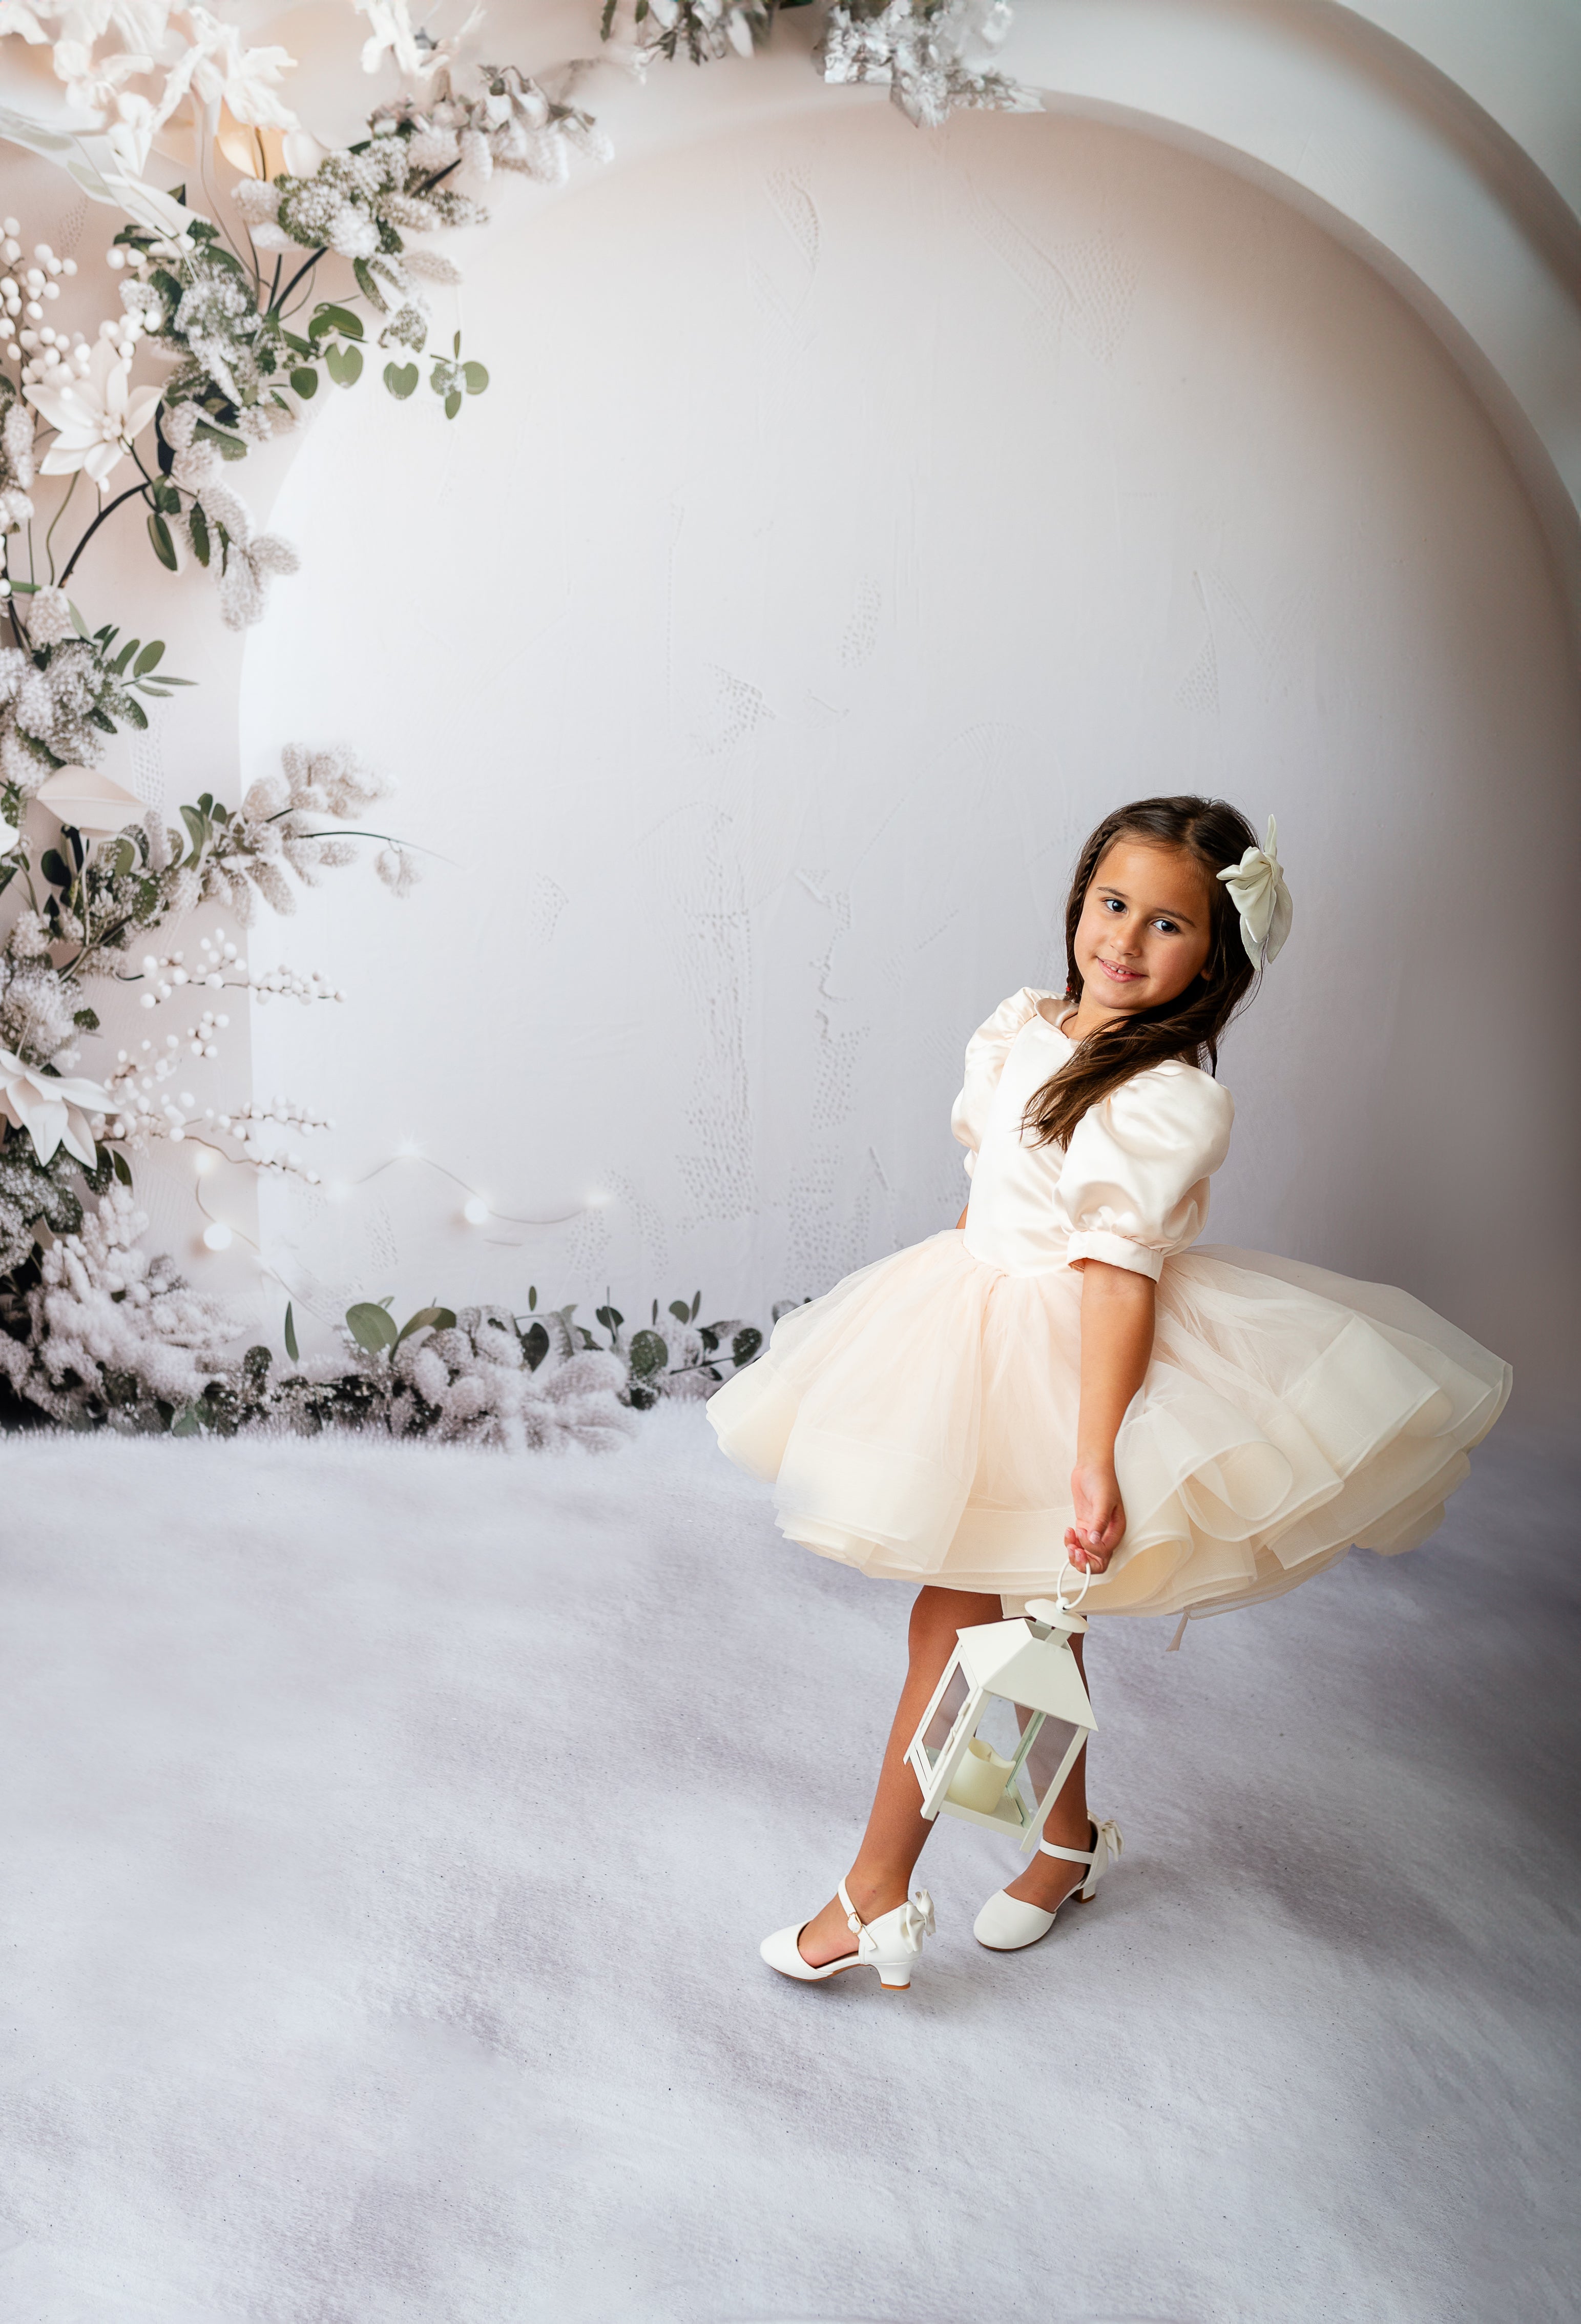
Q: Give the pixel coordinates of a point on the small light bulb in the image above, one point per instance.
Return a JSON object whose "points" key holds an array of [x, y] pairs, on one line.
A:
{"points": [[202, 1162], [475, 1211], [217, 1237]]}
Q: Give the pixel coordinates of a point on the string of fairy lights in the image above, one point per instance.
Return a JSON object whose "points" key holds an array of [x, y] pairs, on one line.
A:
{"points": [[219, 966]]}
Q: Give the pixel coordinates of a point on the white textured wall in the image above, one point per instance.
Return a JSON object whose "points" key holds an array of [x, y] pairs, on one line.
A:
{"points": [[854, 518]]}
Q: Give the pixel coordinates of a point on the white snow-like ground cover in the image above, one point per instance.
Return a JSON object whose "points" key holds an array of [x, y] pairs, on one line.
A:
{"points": [[389, 1833]]}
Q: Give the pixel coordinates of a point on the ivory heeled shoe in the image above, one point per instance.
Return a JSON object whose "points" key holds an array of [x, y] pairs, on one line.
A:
{"points": [[1006, 1924], [890, 1944]]}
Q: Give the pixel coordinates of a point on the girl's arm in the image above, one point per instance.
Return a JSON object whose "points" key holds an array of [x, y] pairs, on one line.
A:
{"points": [[1116, 1343]]}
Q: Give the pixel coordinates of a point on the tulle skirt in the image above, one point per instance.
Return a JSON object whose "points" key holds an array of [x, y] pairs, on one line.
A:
{"points": [[919, 1422]]}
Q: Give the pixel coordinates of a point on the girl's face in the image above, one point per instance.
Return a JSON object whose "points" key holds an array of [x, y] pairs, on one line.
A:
{"points": [[1146, 927]]}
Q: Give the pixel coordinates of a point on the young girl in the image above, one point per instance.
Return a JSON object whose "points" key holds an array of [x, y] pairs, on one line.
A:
{"points": [[1063, 1378]]}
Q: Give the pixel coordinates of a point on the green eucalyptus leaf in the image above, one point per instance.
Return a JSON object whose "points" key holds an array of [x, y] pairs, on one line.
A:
{"points": [[453, 403], [292, 1350], [475, 377], [121, 1166], [400, 379], [197, 525], [351, 366], [164, 547], [151, 653], [135, 714], [53, 868], [304, 382], [372, 1327], [439, 1319], [650, 1354], [338, 318]]}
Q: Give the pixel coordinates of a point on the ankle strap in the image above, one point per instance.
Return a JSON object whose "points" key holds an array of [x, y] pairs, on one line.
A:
{"points": [[853, 1919], [1074, 1855]]}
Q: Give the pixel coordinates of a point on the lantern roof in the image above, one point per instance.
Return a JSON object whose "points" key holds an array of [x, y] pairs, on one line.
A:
{"points": [[1039, 1673]]}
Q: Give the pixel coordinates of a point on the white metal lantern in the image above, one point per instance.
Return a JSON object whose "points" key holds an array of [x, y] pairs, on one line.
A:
{"points": [[1006, 1722]]}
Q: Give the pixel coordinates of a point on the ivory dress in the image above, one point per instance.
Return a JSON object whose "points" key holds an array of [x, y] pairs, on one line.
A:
{"points": [[919, 1420]]}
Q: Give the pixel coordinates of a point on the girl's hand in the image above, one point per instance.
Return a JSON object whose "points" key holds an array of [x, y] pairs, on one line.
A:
{"points": [[1101, 1517]]}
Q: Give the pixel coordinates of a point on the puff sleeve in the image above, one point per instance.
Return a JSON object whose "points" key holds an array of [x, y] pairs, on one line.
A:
{"points": [[1134, 1188], [986, 1052]]}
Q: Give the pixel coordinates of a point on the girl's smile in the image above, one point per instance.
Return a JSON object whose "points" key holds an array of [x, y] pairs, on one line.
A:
{"points": [[1144, 935]]}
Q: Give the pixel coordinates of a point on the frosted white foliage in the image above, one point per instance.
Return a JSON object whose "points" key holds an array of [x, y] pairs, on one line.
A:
{"points": [[432, 266], [931, 54], [247, 559], [107, 1312], [514, 125], [700, 30], [332, 781], [477, 1379], [396, 869], [50, 620]]}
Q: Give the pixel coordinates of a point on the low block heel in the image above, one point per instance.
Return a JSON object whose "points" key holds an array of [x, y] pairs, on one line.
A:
{"points": [[891, 1944]]}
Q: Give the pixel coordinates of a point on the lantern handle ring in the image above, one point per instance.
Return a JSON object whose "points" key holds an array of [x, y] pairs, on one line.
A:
{"points": [[1068, 1605]]}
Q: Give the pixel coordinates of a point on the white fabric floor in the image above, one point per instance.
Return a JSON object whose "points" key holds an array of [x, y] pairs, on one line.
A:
{"points": [[389, 1835]]}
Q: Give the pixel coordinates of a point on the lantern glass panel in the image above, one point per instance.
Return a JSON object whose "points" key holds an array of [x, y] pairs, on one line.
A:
{"points": [[950, 1705], [1049, 1747]]}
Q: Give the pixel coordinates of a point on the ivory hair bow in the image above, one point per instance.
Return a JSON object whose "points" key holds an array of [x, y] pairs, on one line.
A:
{"points": [[1258, 889]]}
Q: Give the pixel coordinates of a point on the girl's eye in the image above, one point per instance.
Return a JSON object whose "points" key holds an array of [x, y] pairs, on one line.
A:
{"points": [[1167, 928], [1113, 904]]}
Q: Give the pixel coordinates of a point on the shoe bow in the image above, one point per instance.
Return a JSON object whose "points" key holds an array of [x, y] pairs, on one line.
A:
{"points": [[1109, 1834], [916, 1920]]}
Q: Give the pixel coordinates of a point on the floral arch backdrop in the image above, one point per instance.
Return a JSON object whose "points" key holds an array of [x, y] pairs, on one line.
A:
{"points": [[96, 1329]]}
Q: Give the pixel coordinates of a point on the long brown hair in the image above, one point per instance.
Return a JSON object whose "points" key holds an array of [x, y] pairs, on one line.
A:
{"points": [[1191, 1024]]}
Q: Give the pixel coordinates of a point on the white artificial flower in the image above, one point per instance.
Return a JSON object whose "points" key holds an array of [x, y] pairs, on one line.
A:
{"points": [[220, 71], [27, 24], [93, 87], [50, 617], [54, 1112], [130, 136], [95, 416], [1258, 889]]}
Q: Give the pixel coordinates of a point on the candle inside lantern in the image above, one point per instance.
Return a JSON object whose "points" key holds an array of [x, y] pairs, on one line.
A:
{"points": [[981, 1779]]}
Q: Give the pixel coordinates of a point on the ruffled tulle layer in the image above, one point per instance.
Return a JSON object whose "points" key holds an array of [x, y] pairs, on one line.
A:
{"points": [[919, 1422]]}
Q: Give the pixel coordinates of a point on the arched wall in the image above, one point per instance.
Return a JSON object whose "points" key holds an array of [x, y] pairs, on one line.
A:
{"points": [[857, 516], [1436, 148]]}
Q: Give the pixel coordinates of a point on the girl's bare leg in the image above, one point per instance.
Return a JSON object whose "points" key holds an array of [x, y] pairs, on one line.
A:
{"points": [[880, 1878], [1048, 1878]]}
